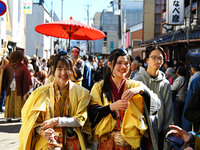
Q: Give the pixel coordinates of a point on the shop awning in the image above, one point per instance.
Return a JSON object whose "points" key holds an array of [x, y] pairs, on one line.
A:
{"points": [[179, 36]]}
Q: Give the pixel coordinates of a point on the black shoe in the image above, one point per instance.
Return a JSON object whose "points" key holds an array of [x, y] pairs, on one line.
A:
{"points": [[1, 110]]}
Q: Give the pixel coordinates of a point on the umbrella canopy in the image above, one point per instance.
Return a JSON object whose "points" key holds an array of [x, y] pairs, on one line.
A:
{"points": [[70, 29]]}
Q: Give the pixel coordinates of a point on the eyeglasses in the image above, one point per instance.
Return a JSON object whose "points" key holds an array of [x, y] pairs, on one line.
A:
{"points": [[156, 58]]}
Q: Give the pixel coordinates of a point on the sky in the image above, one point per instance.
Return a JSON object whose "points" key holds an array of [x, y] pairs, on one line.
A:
{"points": [[77, 8]]}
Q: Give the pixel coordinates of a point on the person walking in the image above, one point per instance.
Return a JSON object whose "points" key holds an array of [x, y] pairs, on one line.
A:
{"points": [[87, 74], [195, 70], [16, 82], [54, 115], [179, 88], [156, 81], [116, 108], [194, 86], [3, 63], [135, 66], [50, 77], [78, 64], [99, 72]]}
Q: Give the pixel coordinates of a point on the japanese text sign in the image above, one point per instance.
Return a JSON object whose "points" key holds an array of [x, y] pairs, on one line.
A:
{"points": [[175, 12], [27, 6]]}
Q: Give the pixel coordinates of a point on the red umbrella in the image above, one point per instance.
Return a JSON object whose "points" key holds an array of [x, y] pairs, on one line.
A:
{"points": [[70, 29]]}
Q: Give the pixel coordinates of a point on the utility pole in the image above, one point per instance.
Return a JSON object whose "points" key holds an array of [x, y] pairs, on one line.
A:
{"points": [[61, 19], [198, 12], [51, 39], [119, 24], [124, 29], [88, 15], [189, 24], [88, 23]]}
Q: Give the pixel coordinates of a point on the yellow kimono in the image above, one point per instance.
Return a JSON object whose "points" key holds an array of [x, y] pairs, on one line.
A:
{"points": [[42, 101], [133, 125], [49, 79]]}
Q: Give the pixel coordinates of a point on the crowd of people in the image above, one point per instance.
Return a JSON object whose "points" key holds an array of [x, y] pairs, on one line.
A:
{"points": [[70, 102]]}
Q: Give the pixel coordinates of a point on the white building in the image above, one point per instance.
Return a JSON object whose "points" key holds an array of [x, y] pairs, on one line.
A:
{"points": [[12, 25], [34, 40]]}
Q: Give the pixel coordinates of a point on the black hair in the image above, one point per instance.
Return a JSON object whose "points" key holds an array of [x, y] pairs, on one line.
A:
{"points": [[131, 58], [66, 59], [182, 71], [76, 48], [43, 60], [196, 68], [85, 57], [150, 49], [169, 64], [141, 61], [137, 58], [107, 86], [15, 57], [90, 58]]}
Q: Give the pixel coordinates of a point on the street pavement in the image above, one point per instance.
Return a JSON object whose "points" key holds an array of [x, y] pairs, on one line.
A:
{"points": [[9, 134]]}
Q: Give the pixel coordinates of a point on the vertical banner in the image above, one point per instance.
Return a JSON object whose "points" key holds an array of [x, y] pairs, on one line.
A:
{"points": [[111, 46], [27, 6], [175, 12]]}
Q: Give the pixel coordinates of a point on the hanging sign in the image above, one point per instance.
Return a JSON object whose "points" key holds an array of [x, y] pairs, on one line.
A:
{"points": [[175, 12], [27, 6]]}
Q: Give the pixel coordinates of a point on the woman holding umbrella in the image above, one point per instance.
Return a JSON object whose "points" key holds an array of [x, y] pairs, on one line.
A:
{"points": [[55, 113]]}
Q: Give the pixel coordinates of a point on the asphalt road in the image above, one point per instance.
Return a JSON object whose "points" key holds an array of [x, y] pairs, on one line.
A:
{"points": [[9, 134]]}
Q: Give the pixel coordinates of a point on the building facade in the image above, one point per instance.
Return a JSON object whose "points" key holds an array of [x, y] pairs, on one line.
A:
{"points": [[177, 40], [37, 43], [13, 26], [131, 14]]}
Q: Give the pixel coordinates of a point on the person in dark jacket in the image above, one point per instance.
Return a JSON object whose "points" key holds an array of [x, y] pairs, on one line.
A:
{"points": [[192, 111], [16, 82], [87, 73], [195, 84]]}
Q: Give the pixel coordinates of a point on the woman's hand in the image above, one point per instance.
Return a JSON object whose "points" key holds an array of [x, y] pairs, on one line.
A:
{"points": [[128, 94], [119, 105], [49, 123], [177, 131], [47, 133]]}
